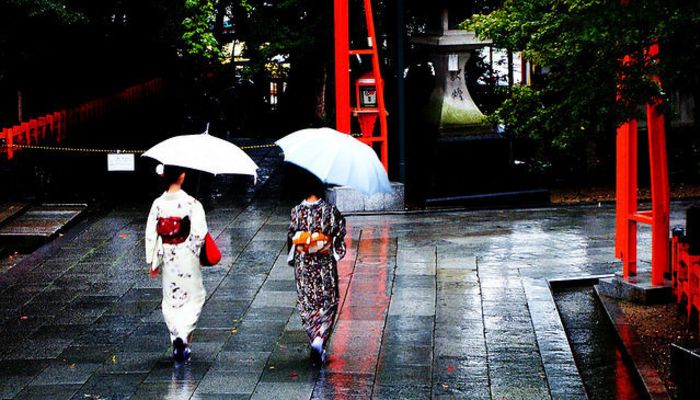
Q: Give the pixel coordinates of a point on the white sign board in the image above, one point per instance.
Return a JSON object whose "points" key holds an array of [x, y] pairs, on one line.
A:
{"points": [[453, 62], [120, 162]]}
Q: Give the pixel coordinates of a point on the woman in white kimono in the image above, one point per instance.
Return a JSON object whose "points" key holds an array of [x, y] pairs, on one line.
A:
{"points": [[175, 233]]}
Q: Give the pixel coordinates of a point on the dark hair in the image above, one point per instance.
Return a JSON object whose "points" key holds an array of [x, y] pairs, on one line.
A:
{"points": [[171, 173], [309, 184]]}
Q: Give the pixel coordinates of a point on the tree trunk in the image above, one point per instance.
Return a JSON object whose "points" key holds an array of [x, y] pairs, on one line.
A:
{"points": [[19, 106], [320, 108]]}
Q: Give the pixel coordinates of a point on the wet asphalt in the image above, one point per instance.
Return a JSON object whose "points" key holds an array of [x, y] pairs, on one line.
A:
{"points": [[433, 305]]}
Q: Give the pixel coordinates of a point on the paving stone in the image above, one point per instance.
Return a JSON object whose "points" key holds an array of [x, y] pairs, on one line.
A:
{"points": [[283, 390], [413, 355], [401, 374], [37, 349], [412, 307], [131, 363], [364, 313], [13, 384], [173, 390], [242, 361], [95, 353], [228, 383], [272, 313], [168, 371], [343, 386], [61, 373], [56, 392], [113, 386], [407, 391]]}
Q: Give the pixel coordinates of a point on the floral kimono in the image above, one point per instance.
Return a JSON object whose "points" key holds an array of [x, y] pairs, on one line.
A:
{"points": [[316, 274], [183, 289]]}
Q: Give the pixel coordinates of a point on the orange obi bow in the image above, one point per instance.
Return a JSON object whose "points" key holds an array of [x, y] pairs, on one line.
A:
{"points": [[311, 242]]}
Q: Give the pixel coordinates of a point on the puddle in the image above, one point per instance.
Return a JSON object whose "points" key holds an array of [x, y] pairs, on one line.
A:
{"points": [[605, 373]]}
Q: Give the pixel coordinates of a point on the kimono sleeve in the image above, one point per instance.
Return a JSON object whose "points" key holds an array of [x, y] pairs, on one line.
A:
{"points": [[151, 234], [338, 233], [291, 230], [199, 226]]}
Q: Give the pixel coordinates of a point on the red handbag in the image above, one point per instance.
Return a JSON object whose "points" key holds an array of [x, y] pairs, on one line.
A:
{"points": [[209, 254]]}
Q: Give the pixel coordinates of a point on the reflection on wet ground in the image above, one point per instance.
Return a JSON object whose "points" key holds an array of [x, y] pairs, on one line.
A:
{"points": [[434, 305], [604, 372]]}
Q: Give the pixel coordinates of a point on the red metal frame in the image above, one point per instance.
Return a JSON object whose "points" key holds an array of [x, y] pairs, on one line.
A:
{"points": [[627, 213], [342, 77]]}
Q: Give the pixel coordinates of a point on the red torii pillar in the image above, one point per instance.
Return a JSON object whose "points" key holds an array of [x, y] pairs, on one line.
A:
{"points": [[627, 213], [342, 66], [343, 109]]}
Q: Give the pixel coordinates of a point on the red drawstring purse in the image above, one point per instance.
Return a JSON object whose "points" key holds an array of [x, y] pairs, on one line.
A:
{"points": [[209, 254]]}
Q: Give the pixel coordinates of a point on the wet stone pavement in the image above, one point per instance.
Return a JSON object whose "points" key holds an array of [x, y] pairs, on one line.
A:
{"points": [[434, 305]]}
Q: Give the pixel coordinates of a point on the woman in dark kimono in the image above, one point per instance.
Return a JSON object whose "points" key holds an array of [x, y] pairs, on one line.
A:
{"points": [[316, 273]]}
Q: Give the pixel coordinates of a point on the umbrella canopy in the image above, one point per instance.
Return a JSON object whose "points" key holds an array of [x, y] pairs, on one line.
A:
{"points": [[203, 152], [336, 158]]}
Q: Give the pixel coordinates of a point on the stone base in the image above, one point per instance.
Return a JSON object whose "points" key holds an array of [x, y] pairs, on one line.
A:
{"points": [[637, 289], [350, 200], [685, 364]]}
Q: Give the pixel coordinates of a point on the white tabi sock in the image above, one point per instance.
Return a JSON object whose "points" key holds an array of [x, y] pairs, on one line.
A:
{"points": [[317, 344]]}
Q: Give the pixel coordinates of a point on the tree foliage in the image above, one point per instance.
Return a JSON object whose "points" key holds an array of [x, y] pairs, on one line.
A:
{"points": [[297, 32], [579, 45], [198, 38]]}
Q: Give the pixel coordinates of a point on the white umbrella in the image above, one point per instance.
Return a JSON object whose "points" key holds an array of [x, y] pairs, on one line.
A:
{"points": [[203, 152], [336, 158]]}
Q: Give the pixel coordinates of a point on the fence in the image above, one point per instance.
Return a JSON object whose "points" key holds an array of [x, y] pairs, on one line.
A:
{"points": [[685, 265], [53, 126]]}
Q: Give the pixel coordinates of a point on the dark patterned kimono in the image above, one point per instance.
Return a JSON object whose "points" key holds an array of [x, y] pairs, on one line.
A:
{"points": [[317, 274]]}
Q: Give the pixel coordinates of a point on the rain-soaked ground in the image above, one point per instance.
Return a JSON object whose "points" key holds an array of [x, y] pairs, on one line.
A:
{"points": [[605, 373], [434, 305]]}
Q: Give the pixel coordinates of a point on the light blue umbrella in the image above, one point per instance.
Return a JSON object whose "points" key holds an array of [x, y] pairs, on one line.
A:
{"points": [[337, 159]]}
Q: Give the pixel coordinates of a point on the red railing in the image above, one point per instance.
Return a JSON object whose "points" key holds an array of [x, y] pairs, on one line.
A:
{"points": [[53, 126], [685, 266]]}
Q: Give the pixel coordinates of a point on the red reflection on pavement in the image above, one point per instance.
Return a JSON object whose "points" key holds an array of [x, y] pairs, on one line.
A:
{"points": [[358, 332]]}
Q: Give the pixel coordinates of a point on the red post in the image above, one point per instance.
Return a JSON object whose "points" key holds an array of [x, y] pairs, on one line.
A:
{"points": [[50, 125], [63, 125], [24, 126], [9, 136], [660, 197], [41, 124], [342, 66], [626, 198], [33, 130]]}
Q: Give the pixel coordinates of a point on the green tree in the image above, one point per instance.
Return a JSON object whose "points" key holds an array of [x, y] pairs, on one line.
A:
{"points": [[198, 37], [579, 45]]}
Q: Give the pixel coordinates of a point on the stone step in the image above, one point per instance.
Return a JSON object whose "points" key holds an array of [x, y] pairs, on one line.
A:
{"points": [[11, 209], [43, 220]]}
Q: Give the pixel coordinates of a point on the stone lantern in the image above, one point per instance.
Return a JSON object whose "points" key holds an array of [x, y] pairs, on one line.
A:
{"points": [[451, 104]]}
